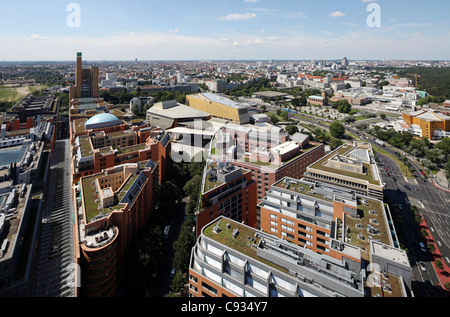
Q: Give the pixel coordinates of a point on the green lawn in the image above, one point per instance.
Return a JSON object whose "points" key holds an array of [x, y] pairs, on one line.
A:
{"points": [[16, 93]]}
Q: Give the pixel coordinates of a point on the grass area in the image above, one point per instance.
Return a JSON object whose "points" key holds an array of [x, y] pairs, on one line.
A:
{"points": [[131, 149], [16, 93], [241, 243], [375, 220]]}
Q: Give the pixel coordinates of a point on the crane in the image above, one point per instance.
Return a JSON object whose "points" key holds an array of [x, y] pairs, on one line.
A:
{"points": [[417, 76]]}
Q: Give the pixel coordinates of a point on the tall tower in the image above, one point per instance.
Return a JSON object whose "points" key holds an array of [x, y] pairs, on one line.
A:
{"points": [[86, 81]]}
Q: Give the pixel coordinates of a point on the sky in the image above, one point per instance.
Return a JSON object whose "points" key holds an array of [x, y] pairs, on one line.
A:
{"points": [[54, 30]]}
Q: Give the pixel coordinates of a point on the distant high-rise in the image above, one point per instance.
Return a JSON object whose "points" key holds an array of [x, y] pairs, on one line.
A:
{"points": [[344, 62], [86, 81]]}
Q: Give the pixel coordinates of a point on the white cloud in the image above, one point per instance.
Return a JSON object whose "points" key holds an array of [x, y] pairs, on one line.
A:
{"points": [[174, 31], [238, 16], [252, 1], [337, 14], [363, 44], [296, 15], [35, 37]]}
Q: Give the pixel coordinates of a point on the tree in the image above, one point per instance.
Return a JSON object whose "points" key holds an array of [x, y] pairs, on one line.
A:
{"points": [[284, 115], [383, 116], [344, 106], [274, 119], [447, 170], [335, 143], [444, 145], [292, 129], [337, 130]]}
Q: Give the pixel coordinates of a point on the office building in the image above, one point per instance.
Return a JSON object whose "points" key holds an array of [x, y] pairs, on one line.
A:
{"points": [[264, 150], [350, 166], [226, 191], [315, 240], [106, 141], [86, 81], [111, 206], [16, 219], [231, 259]]}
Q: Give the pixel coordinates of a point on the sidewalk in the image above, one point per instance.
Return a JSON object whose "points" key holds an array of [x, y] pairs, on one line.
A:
{"points": [[441, 181], [444, 273]]}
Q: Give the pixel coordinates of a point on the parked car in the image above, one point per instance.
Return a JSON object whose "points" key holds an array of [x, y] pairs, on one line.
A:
{"points": [[422, 266], [422, 247]]}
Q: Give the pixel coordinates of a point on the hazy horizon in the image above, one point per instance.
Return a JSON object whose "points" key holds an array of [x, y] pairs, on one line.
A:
{"points": [[200, 30]]}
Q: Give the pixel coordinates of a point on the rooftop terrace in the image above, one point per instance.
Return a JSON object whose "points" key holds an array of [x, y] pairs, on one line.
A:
{"points": [[344, 151]]}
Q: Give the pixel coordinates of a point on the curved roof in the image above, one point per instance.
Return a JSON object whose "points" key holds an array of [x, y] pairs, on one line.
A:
{"points": [[103, 120]]}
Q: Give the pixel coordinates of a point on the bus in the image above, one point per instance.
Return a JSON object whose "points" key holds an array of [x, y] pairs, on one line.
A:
{"points": [[381, 143]]}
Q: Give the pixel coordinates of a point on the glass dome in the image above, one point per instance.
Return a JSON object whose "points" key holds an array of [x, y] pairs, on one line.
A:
{"points": [[102, 120]]}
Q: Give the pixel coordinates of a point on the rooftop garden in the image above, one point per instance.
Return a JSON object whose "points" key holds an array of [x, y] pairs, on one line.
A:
{"points": [[86, 146], [91, 197], [301, 188], [131, 149], [242, 243], [370, 224]]}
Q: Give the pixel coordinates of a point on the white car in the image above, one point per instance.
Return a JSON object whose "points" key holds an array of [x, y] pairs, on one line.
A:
{"points": [[422, 266]]}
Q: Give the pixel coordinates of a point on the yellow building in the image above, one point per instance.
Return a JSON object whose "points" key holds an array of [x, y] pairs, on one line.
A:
{"points": [[433, 123], [219, 107]]}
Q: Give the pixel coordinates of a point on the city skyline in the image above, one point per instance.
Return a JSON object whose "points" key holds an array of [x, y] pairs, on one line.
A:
{"points": [[213, 30]]}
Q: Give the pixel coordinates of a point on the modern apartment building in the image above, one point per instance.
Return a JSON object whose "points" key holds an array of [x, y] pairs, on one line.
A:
{"points": [[350, 166], [231, 259], [111, 206], [226, 191], [219, 107], [315, 240]]}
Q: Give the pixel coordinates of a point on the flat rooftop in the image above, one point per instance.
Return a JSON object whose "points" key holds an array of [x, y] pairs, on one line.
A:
{"points": [[176, 110], [12, 155], [282, 256], [224, 101], [91, 199], [355, 153]]}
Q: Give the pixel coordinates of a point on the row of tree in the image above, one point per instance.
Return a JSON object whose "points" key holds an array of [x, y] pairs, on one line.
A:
{"points": [[432, 156], [147, 248]]}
